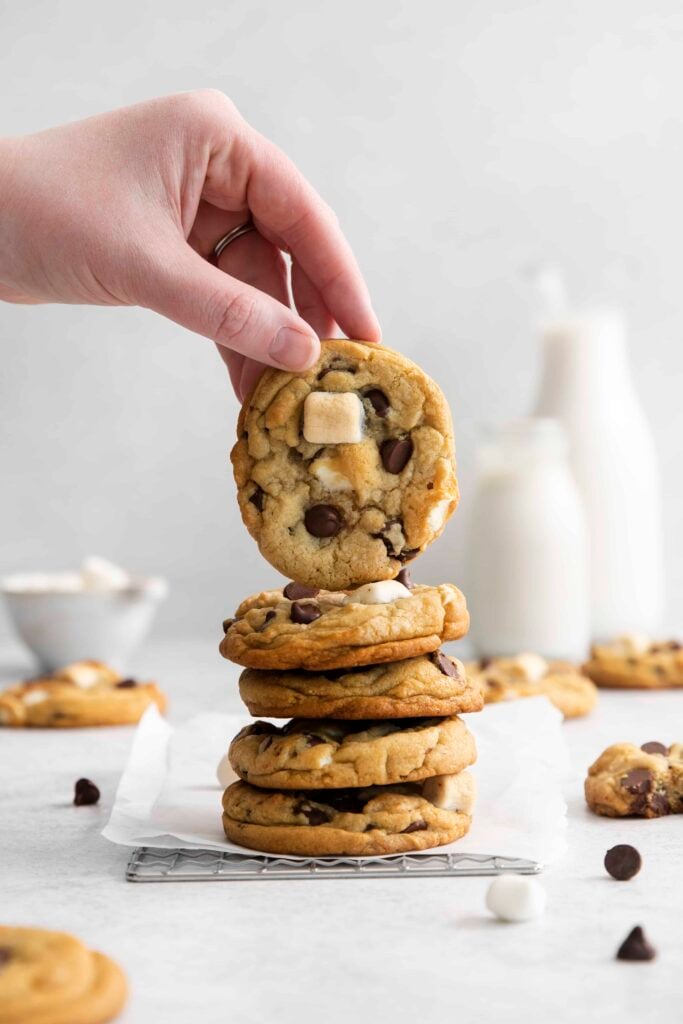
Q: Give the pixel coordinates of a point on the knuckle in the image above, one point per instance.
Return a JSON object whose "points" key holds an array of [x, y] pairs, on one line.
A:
{"points": [[230, 322], [205, 104]]}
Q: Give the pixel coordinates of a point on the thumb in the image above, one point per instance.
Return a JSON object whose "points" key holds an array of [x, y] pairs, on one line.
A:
{"points": [[186, 288]]}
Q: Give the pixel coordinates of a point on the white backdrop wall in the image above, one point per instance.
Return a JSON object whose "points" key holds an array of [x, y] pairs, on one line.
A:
{"points": [[457, 142]]}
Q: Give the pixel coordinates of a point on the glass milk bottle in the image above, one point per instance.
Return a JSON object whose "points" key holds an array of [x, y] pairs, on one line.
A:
{"points": [[527, 578], [586, 383]]}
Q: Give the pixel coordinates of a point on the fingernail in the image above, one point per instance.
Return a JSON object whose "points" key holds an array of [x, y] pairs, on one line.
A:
{"points": [[294, 349]]}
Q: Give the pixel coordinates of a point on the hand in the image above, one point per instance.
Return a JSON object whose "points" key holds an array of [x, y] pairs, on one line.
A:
{"points": [[124, 209]]}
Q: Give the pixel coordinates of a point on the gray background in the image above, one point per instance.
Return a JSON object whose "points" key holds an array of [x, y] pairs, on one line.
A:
{"points": [[458, 142]]}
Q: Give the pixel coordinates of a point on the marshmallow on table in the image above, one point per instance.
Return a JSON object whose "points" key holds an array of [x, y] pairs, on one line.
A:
{"points": [[332, 417], [516, 898], [382, 592], [451, 792]]}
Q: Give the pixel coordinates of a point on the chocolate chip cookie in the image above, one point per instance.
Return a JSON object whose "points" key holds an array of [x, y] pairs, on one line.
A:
{"points": [[349, 822], [644, 782], [429, 685], [636, 662], [336, 629], [84, 694], [530, 675], [346, 472], [51, 978], [318, 753]]}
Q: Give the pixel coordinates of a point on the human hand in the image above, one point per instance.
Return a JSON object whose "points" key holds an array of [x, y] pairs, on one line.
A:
{"points": [[125, 209]]}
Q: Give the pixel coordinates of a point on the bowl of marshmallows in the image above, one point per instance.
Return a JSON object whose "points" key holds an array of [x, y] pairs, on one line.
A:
{"points": [[99, 612]]}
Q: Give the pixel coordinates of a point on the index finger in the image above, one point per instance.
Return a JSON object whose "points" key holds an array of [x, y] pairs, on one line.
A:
{"points": [[288, 210]]}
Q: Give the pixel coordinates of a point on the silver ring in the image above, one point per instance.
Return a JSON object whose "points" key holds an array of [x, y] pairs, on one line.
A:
{"points": [[223, 243]]}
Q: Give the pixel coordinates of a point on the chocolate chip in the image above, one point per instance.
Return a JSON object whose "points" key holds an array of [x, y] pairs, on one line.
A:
{"points": [[404, 578], [260, 728], [314, 741], [408, 556], [314, 815], [660, 805], [227, 623], [126, 684], [85, 792], [395, 453], [444, 664], [636, 947], [5, 955], [323, 520], [256, 498], [337, 365], [269, 616], [415, 826], [296, 591], [378, 400], [348, 801], [304, 613], [654, 747], [623, 862], [638, 780]]}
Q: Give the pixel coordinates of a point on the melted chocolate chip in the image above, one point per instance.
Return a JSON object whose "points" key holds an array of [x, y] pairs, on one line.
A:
{"points": [[395, 453], [5, 955], [85, 792], [260, 728], [660, 805], [408, 556], [256, 498], [314, 741], [126, 684], [323, 520], [623, 862], [336, 366], [444, 664], [404, 578], [314, 815], [378, 400], [304, 613], [415, 826], [348, 801], [637, 781], [654, 747], [636, 947], [297, 591], [227, 623]]}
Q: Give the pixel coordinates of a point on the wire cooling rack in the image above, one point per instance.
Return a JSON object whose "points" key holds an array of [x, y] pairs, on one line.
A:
{"points": [[148, 864]]}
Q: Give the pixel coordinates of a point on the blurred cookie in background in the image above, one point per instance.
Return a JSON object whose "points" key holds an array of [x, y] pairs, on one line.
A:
{"points": [[530, 675], [635, 661]]}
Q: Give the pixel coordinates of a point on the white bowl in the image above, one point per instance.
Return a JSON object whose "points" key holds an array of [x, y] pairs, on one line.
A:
{"points": [[105, 625]]}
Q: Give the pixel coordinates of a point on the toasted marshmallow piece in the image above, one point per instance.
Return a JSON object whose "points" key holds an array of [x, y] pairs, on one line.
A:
{"points": [[634, 643], [516, 898], [329, 477], [333, 418], [382, 592], [225, 773], [533, 666], [451, 792]]}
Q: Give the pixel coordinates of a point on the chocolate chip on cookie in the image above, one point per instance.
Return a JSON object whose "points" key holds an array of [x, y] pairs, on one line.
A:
{"points": [[654, 747], [637, 781], [304, 613], [444, 664], [415, 826], [636, 947], [126, 684], [323, 520], [623, 862], [404, 578], [85, 793], [395, 454], [5, 955], [297, 591], [378, 400]]}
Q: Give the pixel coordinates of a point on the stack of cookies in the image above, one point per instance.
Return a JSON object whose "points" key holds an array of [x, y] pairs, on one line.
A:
{"points": [[345, 473]]}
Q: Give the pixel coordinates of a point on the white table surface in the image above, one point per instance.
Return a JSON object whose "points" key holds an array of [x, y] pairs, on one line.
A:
{"points": [[373, 950]]}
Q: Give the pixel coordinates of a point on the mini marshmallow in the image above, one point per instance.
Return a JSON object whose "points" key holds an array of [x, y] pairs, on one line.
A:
{"points": [[516, 898], [330, 478], [82, 674], [451, 792], [224, 772], [99, 574], [533, 666], [333, 418], [383, 592]]}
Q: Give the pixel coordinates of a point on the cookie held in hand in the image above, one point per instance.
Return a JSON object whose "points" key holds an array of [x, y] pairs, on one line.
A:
{"points": [[345, 472]]}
